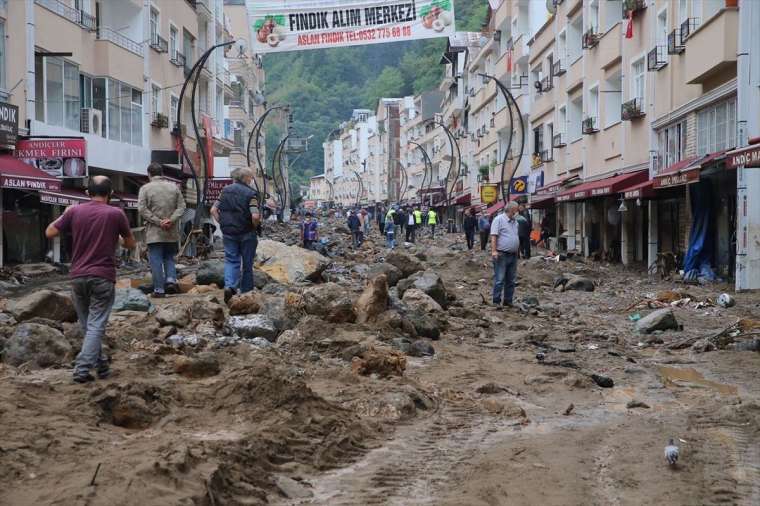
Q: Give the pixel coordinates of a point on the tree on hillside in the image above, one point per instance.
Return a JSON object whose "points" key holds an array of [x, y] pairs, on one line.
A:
{"points": [[390, 83]]}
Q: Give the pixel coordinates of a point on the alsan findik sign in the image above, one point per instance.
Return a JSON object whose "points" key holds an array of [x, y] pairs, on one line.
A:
{"points": [[278, 26]]}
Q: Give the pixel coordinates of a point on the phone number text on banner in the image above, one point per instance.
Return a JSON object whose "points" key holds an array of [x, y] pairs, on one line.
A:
{"points": [[278, 26]]}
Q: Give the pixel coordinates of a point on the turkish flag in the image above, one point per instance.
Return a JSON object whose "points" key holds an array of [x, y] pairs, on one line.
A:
{"points": [[629, 29]]}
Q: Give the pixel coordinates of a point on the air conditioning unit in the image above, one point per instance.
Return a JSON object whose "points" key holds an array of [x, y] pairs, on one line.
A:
{"points": [[91, 121]]}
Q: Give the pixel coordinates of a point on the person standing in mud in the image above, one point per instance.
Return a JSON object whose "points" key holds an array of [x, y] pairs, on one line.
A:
{"points": [[411, 225], [95, 229], [505, 243], [432, 222], [309, 231], [524, 226], [354, 225], [398, 220], [238, 216], [469, 225], [161, 205], [390, 228], [484, 226], [381, 219]]}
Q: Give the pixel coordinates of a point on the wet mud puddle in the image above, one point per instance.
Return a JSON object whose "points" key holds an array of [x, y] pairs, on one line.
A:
{"points": [[675, 377]]}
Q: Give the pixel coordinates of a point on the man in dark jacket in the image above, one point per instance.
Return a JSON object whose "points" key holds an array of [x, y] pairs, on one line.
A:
{"points": [[484, 226], [469, 225], [355, 226], [238, 215], [524, 227]]}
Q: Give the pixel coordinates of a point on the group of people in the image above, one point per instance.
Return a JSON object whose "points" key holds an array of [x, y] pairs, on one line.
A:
{"points": [[397, 220], [98, 228], [480, 222]]}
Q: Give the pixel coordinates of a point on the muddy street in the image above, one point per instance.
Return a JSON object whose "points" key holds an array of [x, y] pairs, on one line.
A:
{"points": [[377, 377]]}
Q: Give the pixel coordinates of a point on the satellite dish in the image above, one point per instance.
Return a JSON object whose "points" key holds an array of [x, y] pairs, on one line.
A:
{"points": [[259, 98], [551, 6]]}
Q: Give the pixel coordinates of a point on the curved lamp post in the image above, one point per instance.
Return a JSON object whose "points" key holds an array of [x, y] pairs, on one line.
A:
{"points": [[277, 159], [256, 132], [510, 99], [361, 187], [404, 183], [452, 146], [428, 167]]}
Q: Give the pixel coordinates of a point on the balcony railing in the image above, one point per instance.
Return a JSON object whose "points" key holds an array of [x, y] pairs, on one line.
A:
{"points": [[546, 84], [178, 59], [588, 125], [557, 68], [77, 16], [558, 141], [633, 6], [656, 58], [590, 38], [547, 155], [687, 28], [159, 120], [632, 109], [159, 43], [120, 40], [675, 46]]}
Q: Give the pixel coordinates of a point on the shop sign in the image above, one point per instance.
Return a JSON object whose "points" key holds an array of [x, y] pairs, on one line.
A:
{"points": [[749, 157], [8, 125], [60, 200], [57, 157], [28, 183], [579, 195], [488, 193], [215, 187], [518, 185], [676, 179], [563, 198], [278, 26], [598, 192], [633, 194]]}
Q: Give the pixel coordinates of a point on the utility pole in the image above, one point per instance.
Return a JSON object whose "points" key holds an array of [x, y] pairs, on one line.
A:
{"points": [[748, 123]]}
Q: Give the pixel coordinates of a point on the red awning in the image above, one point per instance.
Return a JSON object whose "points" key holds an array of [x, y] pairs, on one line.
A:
{"points": [[67, 197], [495, 208], [128, 200], [708, 159], [541, 201], [639, 191], [555, 185], [463, 200], [678, 166], [603, 187], [19, 175]]}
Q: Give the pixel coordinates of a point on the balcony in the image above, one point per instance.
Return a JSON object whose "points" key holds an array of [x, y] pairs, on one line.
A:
{"points": [[589, 126], [547, 155], [546, 84], [178, 59], [675, 46], [558, 69], [558, 141], [656, 58], [159, 120], [120, 40], [713, 48], [632, 109], [590, 39], [202, 8], [687, 28], [77, 16], [633, 6], [159, 43]]}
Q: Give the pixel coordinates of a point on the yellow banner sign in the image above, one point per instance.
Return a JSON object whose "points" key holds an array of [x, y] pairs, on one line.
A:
{"points": [[488, 193]]}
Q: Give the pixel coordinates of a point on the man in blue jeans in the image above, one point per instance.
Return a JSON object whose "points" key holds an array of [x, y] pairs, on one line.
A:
{"points": [[95, 228], [505, 242], [238, 216], [161, 205]]}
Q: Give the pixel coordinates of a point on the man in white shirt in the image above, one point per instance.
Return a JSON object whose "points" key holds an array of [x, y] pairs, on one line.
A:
{"points": [[505, 243], [411, 225]]}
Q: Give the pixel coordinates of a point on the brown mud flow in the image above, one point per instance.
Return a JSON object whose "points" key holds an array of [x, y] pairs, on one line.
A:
{"points": [[332, 386]]}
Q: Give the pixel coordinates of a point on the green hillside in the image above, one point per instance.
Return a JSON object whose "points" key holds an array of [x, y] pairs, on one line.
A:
{"points": [[325, 85]]}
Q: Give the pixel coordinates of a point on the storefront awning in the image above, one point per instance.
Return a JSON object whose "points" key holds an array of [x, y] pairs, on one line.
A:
{"points": [[677, 174], [641, 190], [21, 176], [707, 160], [603, 187], [67, 197], [463, 200], [127, 200], [495, 208], [748, 156], [541, 201], [554, 186]]}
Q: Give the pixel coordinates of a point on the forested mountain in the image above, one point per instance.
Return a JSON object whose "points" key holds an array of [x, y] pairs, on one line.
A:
{"points": [[325, 85]]}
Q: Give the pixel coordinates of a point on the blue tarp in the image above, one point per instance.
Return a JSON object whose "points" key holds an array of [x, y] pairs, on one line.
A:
{"points": [[700, 254]]}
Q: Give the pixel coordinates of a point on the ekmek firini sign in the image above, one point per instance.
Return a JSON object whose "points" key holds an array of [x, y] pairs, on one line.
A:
{"points": [[278, 26]]}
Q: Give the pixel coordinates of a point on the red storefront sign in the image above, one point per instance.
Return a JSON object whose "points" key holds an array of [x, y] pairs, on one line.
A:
{"points": [[215, 187], [676, 179], [57, 157], [747, 157]]}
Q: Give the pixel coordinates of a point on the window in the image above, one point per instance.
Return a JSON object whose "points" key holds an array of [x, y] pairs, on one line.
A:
{"points": [[155, 99], [593, 21], [58, 89], [638, 83], [683, 11], [174, 106], [593, 103], [54, 91], [575, 39], [549, 129], [562, 46], [716, 128], [71, 96], [188, 47], [85, 90], [561, 119], [549, 64], [672, 144], [538, 140], [662, 27], [123, 112], [574, 119], [154, 26], [612, 10], [172, 41], [613, 96], [2, 54]]}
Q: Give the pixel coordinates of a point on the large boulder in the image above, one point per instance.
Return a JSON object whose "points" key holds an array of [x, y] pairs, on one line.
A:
{"points": [[130, 299], [373, 301], [330, 302], [289, 264], [44, 304], [37, 345], [428, 282], [417, 299], [207, 310], [177, 315], [407, 264], [211, 272], [251, 326], [424, 325], [662, 319], [245, 303], [392, 273]]}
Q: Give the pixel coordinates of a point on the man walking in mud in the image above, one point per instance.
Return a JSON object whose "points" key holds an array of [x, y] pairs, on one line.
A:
{"points": [[505, 243], [95, 228], [238, 217], [161, 205]]}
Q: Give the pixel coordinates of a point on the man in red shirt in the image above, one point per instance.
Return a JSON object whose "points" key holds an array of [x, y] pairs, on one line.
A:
{"points": [[95, 228]]}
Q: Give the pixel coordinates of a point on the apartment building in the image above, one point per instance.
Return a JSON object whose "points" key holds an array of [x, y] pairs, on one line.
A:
{"points": [[420, 138], [97, 86], [318, 191]]}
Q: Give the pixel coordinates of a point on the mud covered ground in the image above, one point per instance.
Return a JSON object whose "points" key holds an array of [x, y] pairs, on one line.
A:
{"points": [[483, 421]]}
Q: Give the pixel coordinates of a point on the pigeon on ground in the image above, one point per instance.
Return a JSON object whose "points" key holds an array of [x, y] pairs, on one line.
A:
{"points": [[540, 356], [671, 452]]}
